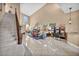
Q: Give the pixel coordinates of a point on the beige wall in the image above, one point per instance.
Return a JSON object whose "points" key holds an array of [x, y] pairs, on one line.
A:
{"points": [[13, 5], [52, 13]]}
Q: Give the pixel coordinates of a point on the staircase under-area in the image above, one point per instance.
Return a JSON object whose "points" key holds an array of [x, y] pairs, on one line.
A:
{"points": [[8, 34]]}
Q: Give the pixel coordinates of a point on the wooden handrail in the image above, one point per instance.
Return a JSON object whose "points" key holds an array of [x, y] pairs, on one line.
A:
{"points": [[19, 36]]}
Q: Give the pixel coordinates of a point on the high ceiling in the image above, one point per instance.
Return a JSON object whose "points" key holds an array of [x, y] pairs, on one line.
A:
{"points": [[65, 7], [31, 8]]}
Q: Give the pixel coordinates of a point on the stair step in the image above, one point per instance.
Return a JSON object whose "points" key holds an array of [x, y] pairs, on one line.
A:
{"points": [[8, 44]]}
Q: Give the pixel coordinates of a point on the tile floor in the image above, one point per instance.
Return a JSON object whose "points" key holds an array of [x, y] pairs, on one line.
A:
{"points": [[50, 47]]}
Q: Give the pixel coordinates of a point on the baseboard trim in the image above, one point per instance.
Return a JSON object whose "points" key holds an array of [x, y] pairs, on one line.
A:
{"points": [[73, 45]]}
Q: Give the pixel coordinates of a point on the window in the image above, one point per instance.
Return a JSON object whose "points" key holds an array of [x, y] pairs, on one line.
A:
{"points": [[25, 19]]}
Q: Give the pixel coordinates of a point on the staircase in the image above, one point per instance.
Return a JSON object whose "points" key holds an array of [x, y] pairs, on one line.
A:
{"points": [[8, 34]]}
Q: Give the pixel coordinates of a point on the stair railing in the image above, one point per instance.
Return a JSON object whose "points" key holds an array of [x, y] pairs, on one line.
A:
{"points": [[19, 35]]}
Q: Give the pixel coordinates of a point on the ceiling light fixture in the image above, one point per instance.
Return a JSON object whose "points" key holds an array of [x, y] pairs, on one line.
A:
{"points": [[70, 16]]}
